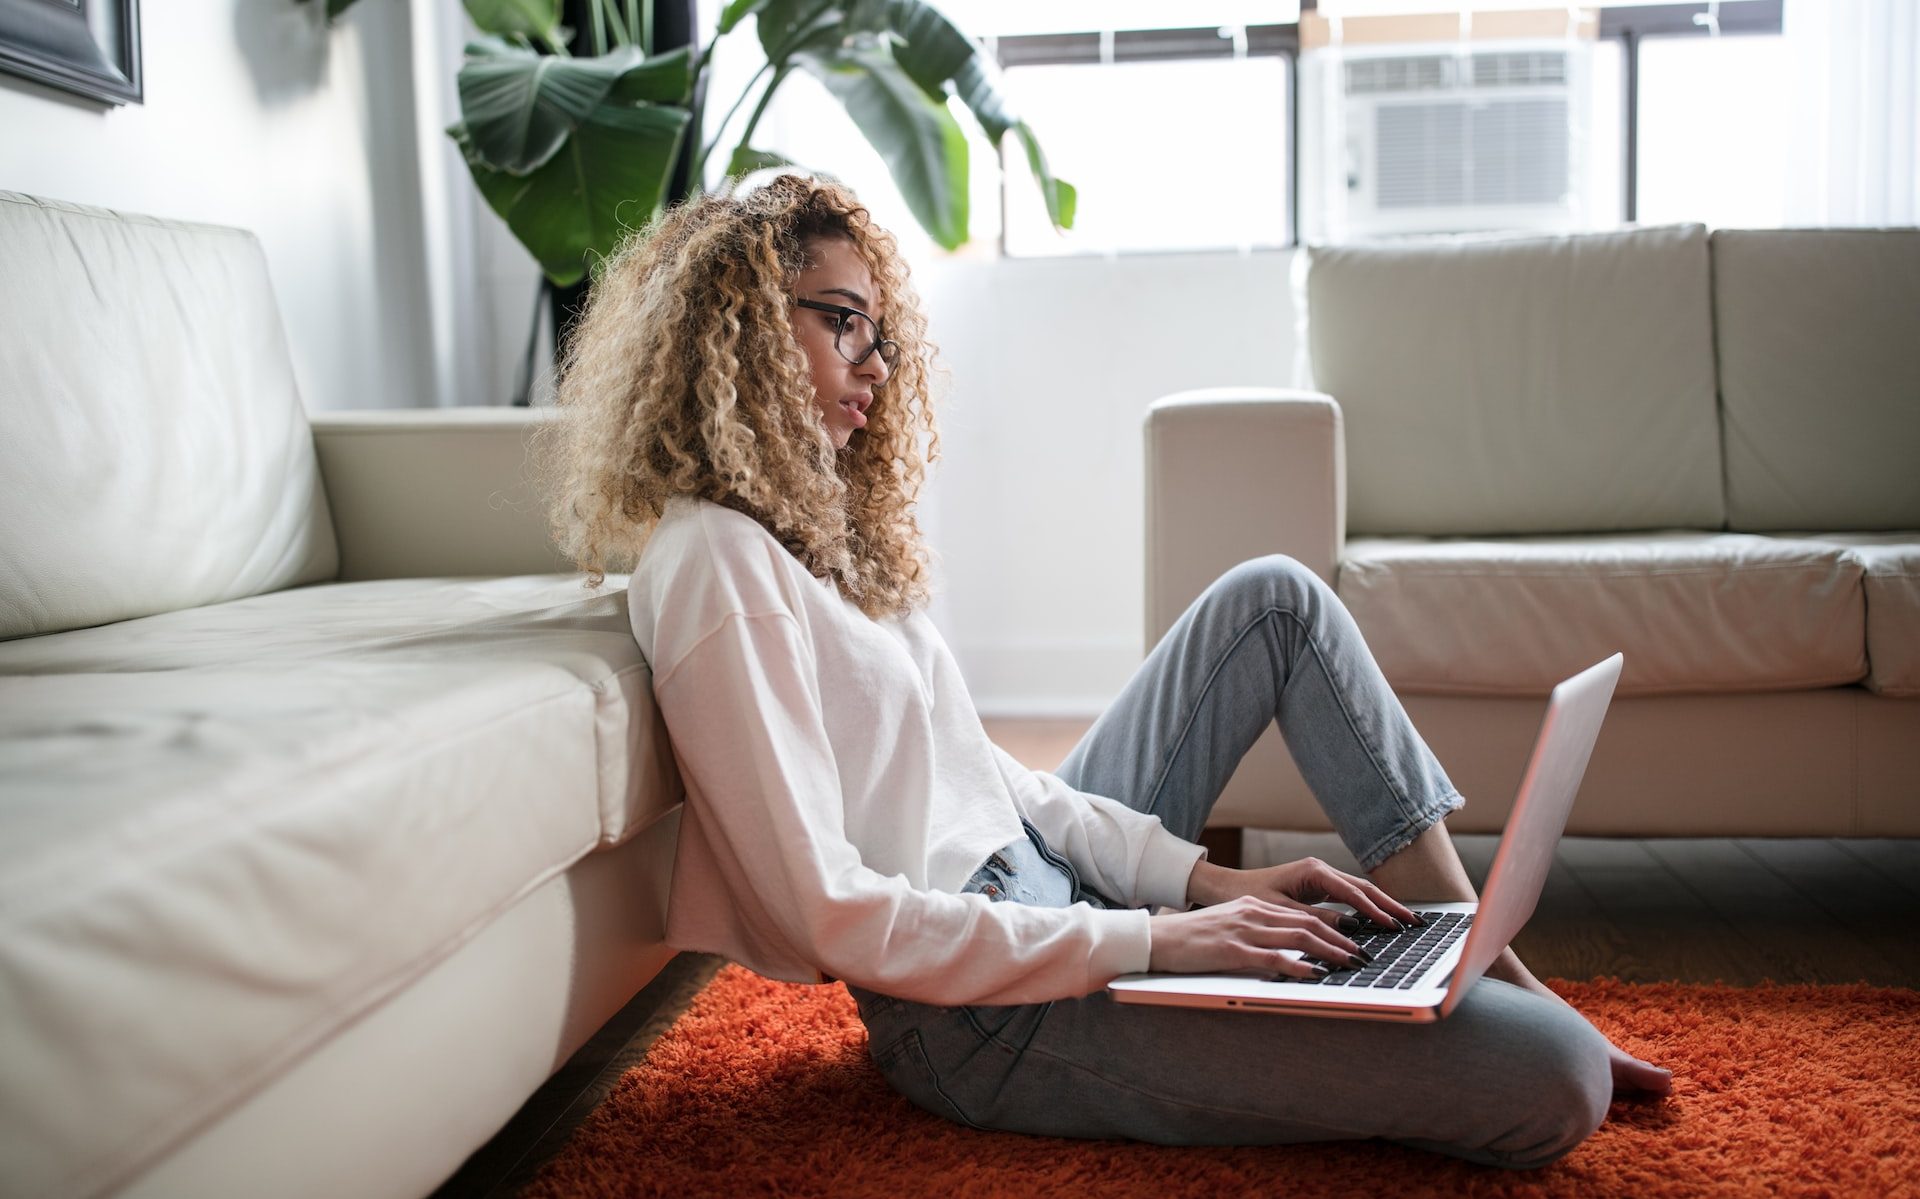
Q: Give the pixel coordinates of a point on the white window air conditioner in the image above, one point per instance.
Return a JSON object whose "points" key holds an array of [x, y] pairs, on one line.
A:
{"points": [[1446, 139]]}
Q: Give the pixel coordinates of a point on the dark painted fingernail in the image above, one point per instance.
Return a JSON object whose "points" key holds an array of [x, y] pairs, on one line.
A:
{"points": [[1320, 971], [1349, 924], [1359, 959]]}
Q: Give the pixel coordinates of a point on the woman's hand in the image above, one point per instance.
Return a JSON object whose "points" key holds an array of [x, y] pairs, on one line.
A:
{"points": [[1299, 885], [1247, 934]]}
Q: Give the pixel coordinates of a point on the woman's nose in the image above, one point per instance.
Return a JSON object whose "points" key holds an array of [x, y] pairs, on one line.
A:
{"points": [[873, 369]]}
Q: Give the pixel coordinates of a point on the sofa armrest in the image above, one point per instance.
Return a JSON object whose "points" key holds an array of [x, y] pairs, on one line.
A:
{"points": [[1237, 473], [427, 492]]}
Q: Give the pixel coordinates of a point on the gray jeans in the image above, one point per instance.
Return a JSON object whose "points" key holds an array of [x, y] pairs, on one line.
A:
{"points": [[1508, 1079]]}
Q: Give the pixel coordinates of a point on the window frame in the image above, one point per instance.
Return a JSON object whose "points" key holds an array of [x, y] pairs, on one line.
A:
{"points": [[1629, 24], [1164, 45]]}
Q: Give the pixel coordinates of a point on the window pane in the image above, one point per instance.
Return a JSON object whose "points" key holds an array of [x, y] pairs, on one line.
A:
{"points": [[1604, 152], [1713, 122], [1177, 155]]}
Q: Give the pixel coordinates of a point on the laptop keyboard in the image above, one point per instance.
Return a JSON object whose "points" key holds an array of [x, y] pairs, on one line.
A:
{"points": [[1399, 958]]}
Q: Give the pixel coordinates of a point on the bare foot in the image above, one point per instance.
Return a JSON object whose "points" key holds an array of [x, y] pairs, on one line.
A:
{"points": [[1631, 1076]]}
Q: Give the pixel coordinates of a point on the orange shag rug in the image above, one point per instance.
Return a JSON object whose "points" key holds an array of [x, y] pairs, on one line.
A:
{"points": [[764, 1088]]}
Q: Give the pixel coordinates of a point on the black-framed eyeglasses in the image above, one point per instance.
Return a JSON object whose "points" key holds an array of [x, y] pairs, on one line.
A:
{"points": [[855, 335]]}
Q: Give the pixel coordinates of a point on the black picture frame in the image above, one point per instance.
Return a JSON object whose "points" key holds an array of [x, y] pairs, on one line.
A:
{"points": [[90, 47]]}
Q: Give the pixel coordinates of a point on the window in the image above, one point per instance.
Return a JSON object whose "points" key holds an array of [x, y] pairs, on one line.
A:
{"points": [[1168, 154], [1258, 124], [1712, 123], [1177, 138]]}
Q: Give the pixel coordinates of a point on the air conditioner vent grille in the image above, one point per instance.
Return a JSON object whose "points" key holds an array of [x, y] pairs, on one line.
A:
{"points": [[1411, 73], [1461, 154], [1448, 72], [1519, 69]]}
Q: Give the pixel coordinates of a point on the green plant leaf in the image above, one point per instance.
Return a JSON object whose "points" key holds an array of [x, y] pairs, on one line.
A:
{"points": [[941, 59], [746, 160], [1062, 198], [936, 54], [790, 27], [933, 50], [609, 177], [921, 143], [531, 18], [736, 12], [519, 107], [662, 79], [975, 82]]}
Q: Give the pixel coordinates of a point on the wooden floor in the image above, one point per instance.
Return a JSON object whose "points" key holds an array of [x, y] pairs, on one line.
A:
{"points": [[1738, 911]]}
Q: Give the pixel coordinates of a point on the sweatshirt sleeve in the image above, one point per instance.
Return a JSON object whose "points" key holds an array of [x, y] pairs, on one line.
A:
{"points": [[1126, 854], [743, 710]]}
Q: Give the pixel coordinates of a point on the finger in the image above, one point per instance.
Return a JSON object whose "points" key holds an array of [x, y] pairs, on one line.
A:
{"points": [[1326, 916], [1278, 963], [1329, 947], [1370, 901], [1318, 922], [1398, 910]]}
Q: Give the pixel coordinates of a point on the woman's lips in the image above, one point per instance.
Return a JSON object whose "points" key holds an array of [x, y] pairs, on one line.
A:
{"points": [[852, 409]]}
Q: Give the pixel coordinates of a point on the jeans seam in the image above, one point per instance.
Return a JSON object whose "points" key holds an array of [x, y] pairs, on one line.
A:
{"points": [[1408, 811], [933, 1075], [996, 1038]]}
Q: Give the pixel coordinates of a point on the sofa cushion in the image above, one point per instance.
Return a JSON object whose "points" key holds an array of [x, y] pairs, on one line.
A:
{"points": [[548, 620], [262, 818], [1692, 612], [1521, 385], [1892, 585], [1819, 376], [155, 451]]}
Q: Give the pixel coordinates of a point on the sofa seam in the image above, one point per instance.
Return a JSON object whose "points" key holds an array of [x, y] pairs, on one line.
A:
{"points": [[1853, 754], [1719, 381], [96, 212]]}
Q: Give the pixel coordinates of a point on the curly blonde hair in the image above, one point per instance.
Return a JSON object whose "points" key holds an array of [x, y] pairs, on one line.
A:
{"points": [[683, 377]]}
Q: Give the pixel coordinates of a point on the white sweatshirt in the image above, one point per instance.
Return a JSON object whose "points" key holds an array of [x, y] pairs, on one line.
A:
{"points": [[841, 790]]}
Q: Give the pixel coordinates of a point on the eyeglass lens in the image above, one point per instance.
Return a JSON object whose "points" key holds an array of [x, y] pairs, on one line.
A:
{"points": [[856, 338]]}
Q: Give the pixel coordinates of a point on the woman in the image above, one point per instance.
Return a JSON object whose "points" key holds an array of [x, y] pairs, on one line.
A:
{"points": [[746, 413]]}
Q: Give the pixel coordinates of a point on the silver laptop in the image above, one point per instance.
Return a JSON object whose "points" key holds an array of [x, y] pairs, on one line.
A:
{"points": [[1421, 974]]}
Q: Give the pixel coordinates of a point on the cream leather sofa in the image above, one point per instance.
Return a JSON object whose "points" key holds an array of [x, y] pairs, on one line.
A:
{"points": [[333, 817], [1520, 455]]}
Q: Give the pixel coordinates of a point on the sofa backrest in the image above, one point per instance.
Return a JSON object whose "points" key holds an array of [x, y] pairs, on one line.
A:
{"points": [[154, 450], [1521, 384], [1819, 341]]}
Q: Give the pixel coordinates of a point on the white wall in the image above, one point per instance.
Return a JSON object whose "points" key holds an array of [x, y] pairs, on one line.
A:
{"points": [[1038, 502], [258, 116]]}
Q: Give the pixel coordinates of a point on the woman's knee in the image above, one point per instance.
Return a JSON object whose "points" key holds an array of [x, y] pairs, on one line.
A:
{"points": [[1565, 1090], [1274, 580]]}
